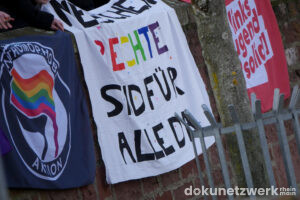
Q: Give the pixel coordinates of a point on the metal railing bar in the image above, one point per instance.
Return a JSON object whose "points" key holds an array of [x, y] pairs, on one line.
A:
{"points": [[191, 133], [296, 126], [207, 164], [209, 131], [276, 108], [242, 148], [283, 142], [294, 97], [263, 141], [196, 124], [220, 147], [182, 121], [210, 116], [295, 121], [200, 176], [277, 116], [284, 146], [223, 161]]}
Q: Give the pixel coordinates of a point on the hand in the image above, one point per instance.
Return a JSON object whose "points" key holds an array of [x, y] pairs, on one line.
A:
{"points": [[41, 1], [4, 20], [57, 25]]}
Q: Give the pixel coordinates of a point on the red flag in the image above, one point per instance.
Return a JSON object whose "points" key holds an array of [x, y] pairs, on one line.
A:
{"points": [[258, 43]]}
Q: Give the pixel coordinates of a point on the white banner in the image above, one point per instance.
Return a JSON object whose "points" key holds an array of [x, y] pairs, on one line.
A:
{"points": [[139, 72]]}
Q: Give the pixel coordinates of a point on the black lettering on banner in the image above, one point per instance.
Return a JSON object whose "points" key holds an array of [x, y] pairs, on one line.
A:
{"points": [[148, 2], [113, 17], [118, 105], [148, 80], [137, 140], [128, 106], [172, 121], [59, 11], [141, 109], [120, 10], [168, 150], [101, 16], [79, 13], [65, 6], [173, 75], [152, 153], [123, 145], [129, 9], [166, 95], [189, 123], [117, 12], [158, 154]]}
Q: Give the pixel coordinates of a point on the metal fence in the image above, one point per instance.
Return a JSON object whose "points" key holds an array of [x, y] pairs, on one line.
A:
{"points": [[278, 115]]}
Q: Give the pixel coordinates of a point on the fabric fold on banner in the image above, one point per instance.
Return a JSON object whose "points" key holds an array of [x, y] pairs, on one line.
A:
{"points": [[139, 71], [4, 144], [44, 114]]}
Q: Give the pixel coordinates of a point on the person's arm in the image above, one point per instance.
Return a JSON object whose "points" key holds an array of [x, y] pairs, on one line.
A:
{"points": [[5, 20], [32, 15], [56, 24], [35, 17]]}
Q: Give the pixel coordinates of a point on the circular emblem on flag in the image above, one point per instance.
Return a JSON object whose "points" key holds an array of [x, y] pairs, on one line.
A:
{"points": [[34, 100]]}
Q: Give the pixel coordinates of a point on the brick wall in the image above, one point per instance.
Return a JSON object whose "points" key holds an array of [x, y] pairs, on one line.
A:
{"points": [[288, 17], [171, 185]]}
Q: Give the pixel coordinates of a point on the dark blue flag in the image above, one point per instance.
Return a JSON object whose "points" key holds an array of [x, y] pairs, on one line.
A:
{"points": [[4, 144], [44, 114]]}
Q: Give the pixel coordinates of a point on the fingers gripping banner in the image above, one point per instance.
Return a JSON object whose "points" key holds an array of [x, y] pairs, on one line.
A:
{"points": [[41, 104], [139, 72], [257, 40]]}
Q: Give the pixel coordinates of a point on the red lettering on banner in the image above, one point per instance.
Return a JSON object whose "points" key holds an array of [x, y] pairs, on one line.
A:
{"points": [[247, 70], [99, 43], [246, 36], [246, 4], [257, 40], [250, 30], [243, 14], [263, 39], [249, 37], [255, 21], [113, 54], [229, 14]]}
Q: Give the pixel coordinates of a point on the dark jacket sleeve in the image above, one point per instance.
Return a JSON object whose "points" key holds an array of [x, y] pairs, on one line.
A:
{"points": [[33, 15]]}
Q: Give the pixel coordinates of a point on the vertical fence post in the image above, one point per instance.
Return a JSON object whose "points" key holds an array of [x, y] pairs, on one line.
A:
{"points": [[283, 141], [199, 132], [191, 133], [292, 109], [242, 148], [256, 110], [278, 115], [217, 134]]}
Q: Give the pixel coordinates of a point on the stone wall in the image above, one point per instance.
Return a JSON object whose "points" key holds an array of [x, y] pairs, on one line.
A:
{"points": [[171, 185]]}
